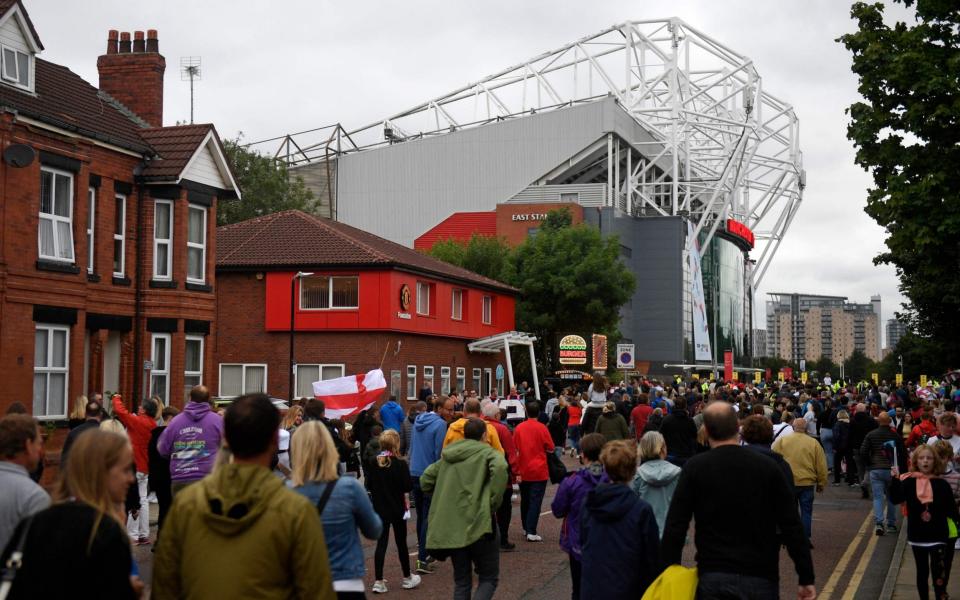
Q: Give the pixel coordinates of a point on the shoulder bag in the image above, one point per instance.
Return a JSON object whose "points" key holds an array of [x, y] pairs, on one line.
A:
{"points": [[14, 562]]}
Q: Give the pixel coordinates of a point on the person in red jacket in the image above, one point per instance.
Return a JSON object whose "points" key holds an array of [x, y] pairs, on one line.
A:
{"points": [[926, 429], [491, 413], [533, 441], [139, 427], [639, 415]]}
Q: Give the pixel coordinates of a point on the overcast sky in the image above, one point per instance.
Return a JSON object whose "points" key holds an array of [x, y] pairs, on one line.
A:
{"points": [[285, 66]]}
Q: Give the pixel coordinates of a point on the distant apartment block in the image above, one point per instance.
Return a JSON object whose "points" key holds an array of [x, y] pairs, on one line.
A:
{"points": [[895, 330], [808, 326]]}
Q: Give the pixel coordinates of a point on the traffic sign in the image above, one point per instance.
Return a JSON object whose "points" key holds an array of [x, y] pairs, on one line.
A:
{"points": [[625, 356], [148, 365]]}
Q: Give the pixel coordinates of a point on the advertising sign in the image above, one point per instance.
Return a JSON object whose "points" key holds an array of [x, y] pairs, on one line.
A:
{"points": [[923, 381], [768, 373], [728, 365], [756, 377], [701, 335], [788, 372], [899, 378], [803, 377], [624, 356], [599, 352], [876, 378], [780, 375], [573, 350]]}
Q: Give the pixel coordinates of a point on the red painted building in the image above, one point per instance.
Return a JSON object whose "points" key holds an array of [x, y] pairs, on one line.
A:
{"points": [[365, 300], [107, 224], [512, 221]]}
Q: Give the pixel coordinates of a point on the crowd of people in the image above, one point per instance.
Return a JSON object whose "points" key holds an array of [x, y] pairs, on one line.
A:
{"points": [[287, 493]]}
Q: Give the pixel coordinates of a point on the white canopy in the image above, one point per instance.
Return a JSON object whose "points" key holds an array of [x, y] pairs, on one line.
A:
{"points": [[502, 342]]}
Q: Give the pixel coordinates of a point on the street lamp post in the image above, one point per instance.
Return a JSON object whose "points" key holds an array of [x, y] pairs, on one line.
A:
{"points": [[293, 365]]}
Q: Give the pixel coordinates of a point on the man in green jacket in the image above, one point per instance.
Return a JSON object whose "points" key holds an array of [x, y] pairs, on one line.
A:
{"points": [[467, 484], [239, 533]]}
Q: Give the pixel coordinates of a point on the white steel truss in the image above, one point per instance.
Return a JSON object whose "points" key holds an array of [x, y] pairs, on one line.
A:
{"points": [[724, 147]]}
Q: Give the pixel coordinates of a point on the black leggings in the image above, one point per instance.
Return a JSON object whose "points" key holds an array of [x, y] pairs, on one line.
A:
{"points": [[931, 560], [400, 536]]}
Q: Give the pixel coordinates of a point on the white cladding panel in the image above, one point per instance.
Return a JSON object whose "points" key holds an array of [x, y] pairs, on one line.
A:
{"points": [[11, 35], [204, 170]]}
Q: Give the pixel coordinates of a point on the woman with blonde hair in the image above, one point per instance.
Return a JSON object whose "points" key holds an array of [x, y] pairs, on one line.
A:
{"points": [[83, 532], [342, 502], [388, 479], [78, 414], [293, 418]]}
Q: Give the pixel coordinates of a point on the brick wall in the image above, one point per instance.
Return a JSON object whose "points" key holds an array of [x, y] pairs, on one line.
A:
{"points": [[531, 215], [134, 75]]}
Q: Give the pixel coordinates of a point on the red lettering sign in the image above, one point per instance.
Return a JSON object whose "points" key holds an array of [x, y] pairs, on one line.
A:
{"points": [[728, 365], [741, 231]]}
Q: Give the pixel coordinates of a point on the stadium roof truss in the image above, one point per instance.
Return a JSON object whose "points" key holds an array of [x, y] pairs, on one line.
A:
{"points": [[730, 149]]}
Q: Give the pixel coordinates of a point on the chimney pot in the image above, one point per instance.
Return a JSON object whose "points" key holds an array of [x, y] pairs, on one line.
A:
{"points": [[138, 41], [124, 42], [112, 36], [153, 44]]}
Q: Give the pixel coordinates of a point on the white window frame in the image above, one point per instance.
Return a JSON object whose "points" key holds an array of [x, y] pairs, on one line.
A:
{"points": [[445, 381], [55, 218], [15, 78], [91, 227], [320, 367], [187, 339], [121, 237], [165, 372], [201, 246], [330, 279], [243, 376], [489, 387], [430, 377], [456, 304], [461, 379], [157, 242], [49, 370], [477, 380], [423, 291], [412, 379], [487, 310]]}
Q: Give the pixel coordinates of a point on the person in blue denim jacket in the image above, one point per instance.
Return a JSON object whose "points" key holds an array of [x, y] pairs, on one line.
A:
{"points": [[345, 509]]}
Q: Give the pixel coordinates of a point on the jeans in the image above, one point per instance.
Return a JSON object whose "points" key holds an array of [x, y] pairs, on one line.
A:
{"points": [[573, 432], [826, 438], [484, 556], [423, 509], [400, 537], [731, 586], [879, 482], [531, 500], [140, 527], [505, 512], [804, 495]]}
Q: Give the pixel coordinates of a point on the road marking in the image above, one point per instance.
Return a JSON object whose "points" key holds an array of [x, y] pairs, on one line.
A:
{"points": [[842, 563], [857, 576]]}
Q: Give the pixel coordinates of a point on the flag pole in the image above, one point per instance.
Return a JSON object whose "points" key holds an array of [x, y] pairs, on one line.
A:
{"points": [[385, 350]]}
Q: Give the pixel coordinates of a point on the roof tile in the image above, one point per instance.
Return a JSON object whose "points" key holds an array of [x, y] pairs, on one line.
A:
{"points": [[294, 238]]}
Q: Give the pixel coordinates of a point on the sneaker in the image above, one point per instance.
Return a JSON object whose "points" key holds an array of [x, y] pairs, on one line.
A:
{"points": [[410, 582], [879, 530], [379, 586], [891, 528], [507, 547], [853, 485], [424, 567], [835, 483], [532, 537]]}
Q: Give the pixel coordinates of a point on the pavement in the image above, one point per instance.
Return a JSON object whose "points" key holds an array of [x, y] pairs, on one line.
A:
{"points": [[903, 574], [850, 562]]}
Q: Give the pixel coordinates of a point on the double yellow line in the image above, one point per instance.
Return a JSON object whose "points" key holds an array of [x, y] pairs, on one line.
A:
{"points": [[854, 584]]}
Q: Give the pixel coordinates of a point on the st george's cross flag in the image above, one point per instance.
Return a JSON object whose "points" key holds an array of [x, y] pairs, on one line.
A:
{"points": [[347, 396]]}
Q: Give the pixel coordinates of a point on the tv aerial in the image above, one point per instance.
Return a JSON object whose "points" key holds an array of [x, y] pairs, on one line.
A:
{"points": [[190, 71]]}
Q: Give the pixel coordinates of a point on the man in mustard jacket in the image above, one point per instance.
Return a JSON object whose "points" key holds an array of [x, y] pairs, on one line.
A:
{"points": [[809, 464], [239, 533], [467, 484]]}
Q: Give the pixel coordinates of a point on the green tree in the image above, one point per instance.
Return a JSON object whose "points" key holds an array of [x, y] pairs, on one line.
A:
{"points": [[824, 365], [485, 255], [907, 134], [858, 366], [571, 280], [921, 356], [267, 186]]}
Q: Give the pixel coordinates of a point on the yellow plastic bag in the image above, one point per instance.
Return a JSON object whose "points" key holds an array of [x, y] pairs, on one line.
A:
{"points": [[675, 583]]}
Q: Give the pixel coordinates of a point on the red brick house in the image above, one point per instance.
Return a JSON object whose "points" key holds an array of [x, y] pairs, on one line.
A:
{"points": [[362, 300], [107, 222]]}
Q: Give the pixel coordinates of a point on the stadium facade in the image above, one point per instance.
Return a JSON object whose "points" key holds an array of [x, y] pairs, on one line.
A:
{"points": [[659, 133]]}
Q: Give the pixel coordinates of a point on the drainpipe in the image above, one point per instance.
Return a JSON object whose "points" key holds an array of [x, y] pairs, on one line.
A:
{"points": [[138, 288]]}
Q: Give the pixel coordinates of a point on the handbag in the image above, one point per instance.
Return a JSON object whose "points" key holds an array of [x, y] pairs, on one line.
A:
{"points": [[14, 562], [555, 467]]}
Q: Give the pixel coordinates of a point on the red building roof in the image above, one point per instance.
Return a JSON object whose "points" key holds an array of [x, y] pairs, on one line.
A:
{"points": [[459, 226], [293, 238]]}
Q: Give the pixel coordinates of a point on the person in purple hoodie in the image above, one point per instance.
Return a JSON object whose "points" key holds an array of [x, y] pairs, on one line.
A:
{"points": [[568, 501], [192, 440]]}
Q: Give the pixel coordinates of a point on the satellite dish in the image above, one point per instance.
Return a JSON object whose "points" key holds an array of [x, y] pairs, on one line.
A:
{"points": [[19, 155]]}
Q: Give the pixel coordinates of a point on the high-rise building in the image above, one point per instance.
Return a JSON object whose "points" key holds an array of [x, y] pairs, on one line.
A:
{"points": [[760, 343], [809, 326], [896, 329]]}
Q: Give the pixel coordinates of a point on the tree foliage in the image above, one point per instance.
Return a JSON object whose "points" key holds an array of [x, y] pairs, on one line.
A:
{"points": [[267, 186], [484, 255], [571, 280], [907, 134]]}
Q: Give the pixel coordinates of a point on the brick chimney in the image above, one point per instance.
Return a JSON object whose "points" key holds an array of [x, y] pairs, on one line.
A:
{"points": [[133, 73]]}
